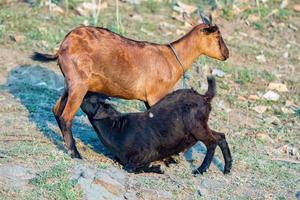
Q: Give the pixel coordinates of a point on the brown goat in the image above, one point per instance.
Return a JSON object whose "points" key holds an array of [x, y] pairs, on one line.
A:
{"points": [[174, 124], [98, 60]]}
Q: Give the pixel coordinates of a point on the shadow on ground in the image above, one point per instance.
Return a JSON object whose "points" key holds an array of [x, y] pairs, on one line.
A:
{"points": [[38, 88]]}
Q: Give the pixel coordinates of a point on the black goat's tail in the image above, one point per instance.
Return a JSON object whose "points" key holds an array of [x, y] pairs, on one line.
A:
{"points": [[44, 57], [211, 92]]}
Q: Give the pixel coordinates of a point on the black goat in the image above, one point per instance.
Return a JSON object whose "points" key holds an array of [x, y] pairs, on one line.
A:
{"points": [[172, 125]]}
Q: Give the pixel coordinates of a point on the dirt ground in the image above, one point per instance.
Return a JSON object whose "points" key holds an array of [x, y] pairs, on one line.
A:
{"points": [[264, 135]]}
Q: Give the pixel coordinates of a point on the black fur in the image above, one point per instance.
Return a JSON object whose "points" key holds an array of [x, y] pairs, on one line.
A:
{"points": [[174, 124]]}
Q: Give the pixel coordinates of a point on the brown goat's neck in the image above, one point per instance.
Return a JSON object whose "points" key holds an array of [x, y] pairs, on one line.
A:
{"points": [[187, 49]]}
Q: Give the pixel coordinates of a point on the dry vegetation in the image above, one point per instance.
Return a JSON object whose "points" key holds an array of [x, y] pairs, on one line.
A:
{"points": [[263, 38]]}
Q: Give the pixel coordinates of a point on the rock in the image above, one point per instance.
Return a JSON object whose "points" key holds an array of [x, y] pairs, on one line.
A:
{"points": [[181, 7], [136, 2], [155, 194], [253, 18], [287, 110], [283, 4], [271, 96], [221, 106], [265, 138], [293, 27], [286, 54], [87, 8], [260, 109], [297, 8], [180, 32], [261, 58], [203, 192], [253, 97], [280, 87], [136, 17], [289, 150], [217, 72], [85, 22], [18, 38], [100, 183], [15, 175], [272, 120], [57, 10], [241, 98]]}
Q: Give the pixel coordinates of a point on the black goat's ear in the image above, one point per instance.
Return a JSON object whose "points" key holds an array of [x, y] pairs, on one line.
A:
{"points": [[210, 29]]}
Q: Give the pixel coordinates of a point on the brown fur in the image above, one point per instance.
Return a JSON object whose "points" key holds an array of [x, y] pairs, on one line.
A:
{"points": [[98, 60]]}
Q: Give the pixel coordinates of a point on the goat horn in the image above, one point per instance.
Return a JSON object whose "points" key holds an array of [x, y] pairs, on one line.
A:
{"points": [[205, 20]]}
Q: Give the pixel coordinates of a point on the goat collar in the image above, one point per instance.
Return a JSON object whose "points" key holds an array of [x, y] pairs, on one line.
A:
{"points": [[179, 60]]}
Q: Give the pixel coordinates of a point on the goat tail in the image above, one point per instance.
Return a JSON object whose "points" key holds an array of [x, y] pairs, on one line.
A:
{"points": [[44, 57], [211, 92]]}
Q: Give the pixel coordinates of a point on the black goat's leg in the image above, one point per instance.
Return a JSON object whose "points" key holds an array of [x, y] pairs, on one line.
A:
{"points": [[211, 143], [207, 159], [145, 168], [147, 105], [222, 143], [170, 160]]}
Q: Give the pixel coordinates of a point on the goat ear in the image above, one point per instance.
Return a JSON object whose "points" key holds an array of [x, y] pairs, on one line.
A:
{"points": [[188, 19]]}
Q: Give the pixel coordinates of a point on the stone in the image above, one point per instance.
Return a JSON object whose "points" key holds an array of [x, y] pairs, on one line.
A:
{"points": [[15, 175], [284, 4], [260, 109], [136, 2], [253, 97], [182, 7], [271, 96], [253, 18], [261, 58], [155, 194], [280, 87], [286, 110], [297, 7], [241, 98], [57, 10], [88, 9], [265, 138], [18, 38], [289, 150], [272, 120], [217, 72], [100, 183]]}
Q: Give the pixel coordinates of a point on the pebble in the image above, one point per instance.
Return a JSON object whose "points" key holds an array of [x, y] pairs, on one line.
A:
{"points": [[280, 87], [261, 58], [260, 109], [271, 96], [217, 72]]}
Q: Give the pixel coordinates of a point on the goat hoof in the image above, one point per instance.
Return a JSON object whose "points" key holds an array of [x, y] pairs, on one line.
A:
{"points": [[198, 171], [226, 171], [75, 154]]}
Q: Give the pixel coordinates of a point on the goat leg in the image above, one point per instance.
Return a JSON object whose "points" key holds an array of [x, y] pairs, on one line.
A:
{"points": [[131, 168], [222, 143], [170, 160], [208, 158], [147, 105]]}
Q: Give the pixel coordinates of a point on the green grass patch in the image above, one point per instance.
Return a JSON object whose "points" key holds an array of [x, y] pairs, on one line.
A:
{"points": [[55, 184]]}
